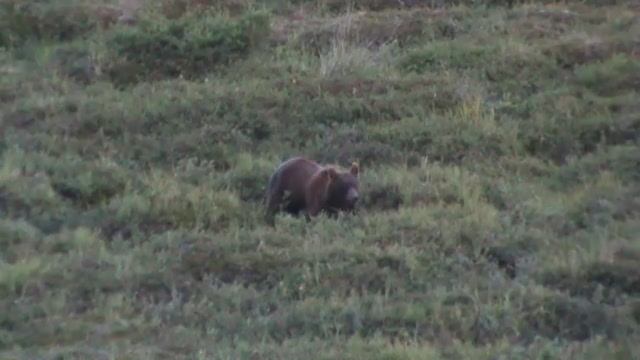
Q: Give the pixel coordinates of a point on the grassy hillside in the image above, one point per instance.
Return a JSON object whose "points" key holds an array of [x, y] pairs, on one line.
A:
{"points": [[499, 145]]}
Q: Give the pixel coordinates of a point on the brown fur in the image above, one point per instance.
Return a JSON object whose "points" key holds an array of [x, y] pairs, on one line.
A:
{"points": [[302, 185], [317, 190]]}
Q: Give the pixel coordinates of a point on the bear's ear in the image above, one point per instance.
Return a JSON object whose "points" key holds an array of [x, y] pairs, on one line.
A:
{"points": [[355, 169]]}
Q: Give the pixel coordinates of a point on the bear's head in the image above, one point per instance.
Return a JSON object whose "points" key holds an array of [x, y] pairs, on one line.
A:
{"points": [[344, 189]]}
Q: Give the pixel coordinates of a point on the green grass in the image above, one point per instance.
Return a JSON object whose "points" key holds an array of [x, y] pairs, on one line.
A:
{"points": [[500, 155]]}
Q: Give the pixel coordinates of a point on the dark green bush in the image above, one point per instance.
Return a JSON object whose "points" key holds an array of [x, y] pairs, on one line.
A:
{"points": [[188, 46], [58, 20], [383, 197], [457, 55], [449, 139], [618, 74], [74, 61], [599, 281], [567, 318], [622, 160]]}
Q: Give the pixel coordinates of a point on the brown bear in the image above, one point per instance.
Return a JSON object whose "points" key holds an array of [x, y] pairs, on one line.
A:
{"points": [[299, 184]]}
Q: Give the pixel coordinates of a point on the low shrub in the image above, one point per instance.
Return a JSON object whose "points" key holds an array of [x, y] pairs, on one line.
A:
{"points": [[439, 55], [556, 316], [58, 20], [618, 74], [599, 282], [187, 46]]}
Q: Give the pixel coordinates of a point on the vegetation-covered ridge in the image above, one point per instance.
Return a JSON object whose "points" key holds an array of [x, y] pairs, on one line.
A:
{"points": [[499, 145]]}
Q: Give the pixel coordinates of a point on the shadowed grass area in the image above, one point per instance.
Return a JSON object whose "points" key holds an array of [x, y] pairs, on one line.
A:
{"points": [[500, 167]]}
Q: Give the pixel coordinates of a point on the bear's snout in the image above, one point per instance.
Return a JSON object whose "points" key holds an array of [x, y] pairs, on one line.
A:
{"points": [[352, 196]]}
